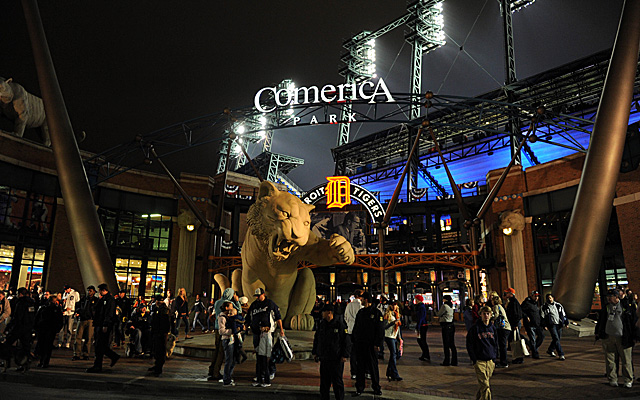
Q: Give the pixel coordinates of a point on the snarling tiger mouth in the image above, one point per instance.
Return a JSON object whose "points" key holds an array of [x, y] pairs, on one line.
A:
{"points": [[282, 248]]}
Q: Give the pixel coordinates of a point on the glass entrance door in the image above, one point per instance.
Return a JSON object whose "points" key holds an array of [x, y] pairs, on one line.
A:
{"points": [[6, 261], [31, 267]]}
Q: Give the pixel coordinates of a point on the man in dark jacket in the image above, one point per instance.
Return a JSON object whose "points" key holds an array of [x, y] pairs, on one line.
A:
{"points": [[368, 336], [103, 323], [20, 327], [331, 346], [123, 312], [160, 328], [49, 321], [615, 328], [85, 315], [514, 315], [482, 346], [531, 318]]}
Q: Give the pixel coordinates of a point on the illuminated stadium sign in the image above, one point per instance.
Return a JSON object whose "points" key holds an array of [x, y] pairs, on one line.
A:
{"points": [[328, 93], [360, 194]]}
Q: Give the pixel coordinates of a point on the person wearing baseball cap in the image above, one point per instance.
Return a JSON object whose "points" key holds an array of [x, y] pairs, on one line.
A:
{"points": [[422, 328], [448, 331], [532, 322], [85, 325], [263, 315]]}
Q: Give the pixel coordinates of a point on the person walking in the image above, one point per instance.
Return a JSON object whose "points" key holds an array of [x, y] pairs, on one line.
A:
{"points": [[422, 326], [198, 308], [182, 308], [350, 318], [514, 315], [20, 326], [160, 328], [615, 327], [49, 321], [482, 346], [69, 299], [85, 325], [553, 319], [262, 317], [467, 314], [368, 336], [331, 347], [392, 328], [103, 322], [531, 319], [501, 322], [123, 312], [448, 332]]}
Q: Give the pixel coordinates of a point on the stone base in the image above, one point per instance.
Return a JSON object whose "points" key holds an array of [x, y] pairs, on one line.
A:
{"points": [[201, 346], [582, 328]]}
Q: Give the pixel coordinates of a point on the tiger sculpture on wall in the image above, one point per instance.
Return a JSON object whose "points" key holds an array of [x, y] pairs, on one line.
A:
{"points": [[23, 108]]}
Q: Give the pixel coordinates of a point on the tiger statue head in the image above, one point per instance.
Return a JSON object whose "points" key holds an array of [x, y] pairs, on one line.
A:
{"points": [[512, 219], [280, 220]]}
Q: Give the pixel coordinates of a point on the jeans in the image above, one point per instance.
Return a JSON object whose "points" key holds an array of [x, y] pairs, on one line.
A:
{"points": [[392, 370], [422, 341], [184, 318], [196, 319], [536, 337], [556, 333], [229, 361]]}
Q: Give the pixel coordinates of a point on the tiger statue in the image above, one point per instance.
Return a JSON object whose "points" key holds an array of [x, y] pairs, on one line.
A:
{"points": [[278, 238], [23, 108]]}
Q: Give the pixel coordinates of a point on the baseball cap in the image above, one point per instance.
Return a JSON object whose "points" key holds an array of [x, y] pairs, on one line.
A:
{"points": [[419, 298], [535, 292], [91, 287], [103, 286], [510, 290], [259, 291], [243, 300]]}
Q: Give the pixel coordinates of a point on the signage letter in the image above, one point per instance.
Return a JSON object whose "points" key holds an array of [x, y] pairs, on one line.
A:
{"points": [[256, 100], [338, 191]]}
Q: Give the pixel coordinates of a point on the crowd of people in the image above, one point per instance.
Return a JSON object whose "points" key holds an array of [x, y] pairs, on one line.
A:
{"points": [[35, 322]]}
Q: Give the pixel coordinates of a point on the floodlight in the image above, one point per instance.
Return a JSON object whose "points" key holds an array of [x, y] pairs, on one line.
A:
{"points": [[240, 129]]}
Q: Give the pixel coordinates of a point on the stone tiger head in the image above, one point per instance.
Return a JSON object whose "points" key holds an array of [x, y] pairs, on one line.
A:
{"points": [[280, 220]]}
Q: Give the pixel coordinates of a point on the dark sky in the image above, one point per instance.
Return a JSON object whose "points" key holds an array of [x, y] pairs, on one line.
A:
{"points": [[129, 67]]}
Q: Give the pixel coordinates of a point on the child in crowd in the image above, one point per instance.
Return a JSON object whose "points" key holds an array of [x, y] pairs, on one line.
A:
{"points": [[482, 345]]}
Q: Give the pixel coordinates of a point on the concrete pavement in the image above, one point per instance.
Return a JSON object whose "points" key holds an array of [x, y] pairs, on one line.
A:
{"points": [[580, 376]]}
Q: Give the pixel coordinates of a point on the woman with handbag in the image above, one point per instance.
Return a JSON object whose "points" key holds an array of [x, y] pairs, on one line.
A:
{"points": [[392, 328], [501, 322]]}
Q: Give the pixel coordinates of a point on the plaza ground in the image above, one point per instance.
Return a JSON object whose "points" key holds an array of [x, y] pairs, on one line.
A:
{"points": [[581, 376]]}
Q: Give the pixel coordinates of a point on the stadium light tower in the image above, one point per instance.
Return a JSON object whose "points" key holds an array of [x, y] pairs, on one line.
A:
{"points": [[360, 61], [426, 34]]}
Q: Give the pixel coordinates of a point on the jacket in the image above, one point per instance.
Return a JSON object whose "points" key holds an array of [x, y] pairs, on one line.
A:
{"points": [[514, 312], [628, 325], [498, 311], [421, 315], [5, 310], [87, 308], [161, 319], [368, 329], [531, 313], [227, 295], [262, 313], [105, 315], [23, 317], [482, 342], [182, 306], [49, 318], [331, 341], [226, 332], [546, 315]]}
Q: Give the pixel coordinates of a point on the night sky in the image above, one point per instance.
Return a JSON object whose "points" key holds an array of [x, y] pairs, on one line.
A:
{"points": [[129, 67]]}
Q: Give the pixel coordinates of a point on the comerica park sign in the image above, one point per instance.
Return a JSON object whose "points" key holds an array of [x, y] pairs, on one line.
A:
{"points": [[283, 97], [339, 192]]}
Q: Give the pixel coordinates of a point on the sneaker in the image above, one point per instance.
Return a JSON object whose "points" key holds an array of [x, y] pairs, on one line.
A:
{"points": [[613, 383], [377, 392], [265, 384], [66, 345], [254, 384], [628, 385], [232, 383], [353, 377], [502, 365], [562, 358], [220, 380], [551, 353], [272, 376]]}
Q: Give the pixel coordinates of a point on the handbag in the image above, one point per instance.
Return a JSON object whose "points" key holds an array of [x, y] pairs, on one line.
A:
{"points": [[518, 345], [500, 322]]}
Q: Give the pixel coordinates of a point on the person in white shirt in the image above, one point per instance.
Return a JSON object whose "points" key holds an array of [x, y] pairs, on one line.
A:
{"points": [[350, 318], [448, 332], [69, 299]]}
